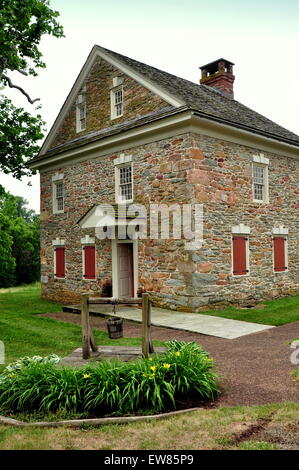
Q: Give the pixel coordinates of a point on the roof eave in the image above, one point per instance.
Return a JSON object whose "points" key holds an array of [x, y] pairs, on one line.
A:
{"points": [[178, 122]]}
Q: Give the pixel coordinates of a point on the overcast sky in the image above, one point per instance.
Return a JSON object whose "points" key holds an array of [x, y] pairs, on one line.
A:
{"points": [[178, 36]]}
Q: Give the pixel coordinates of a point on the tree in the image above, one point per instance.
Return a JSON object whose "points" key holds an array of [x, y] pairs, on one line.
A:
{"points": [[7, 261], [19, 242], [22, 25], [19, 136]]}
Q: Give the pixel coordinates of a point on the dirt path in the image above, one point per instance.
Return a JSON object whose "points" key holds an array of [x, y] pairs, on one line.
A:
{"points": [[255, 369]]}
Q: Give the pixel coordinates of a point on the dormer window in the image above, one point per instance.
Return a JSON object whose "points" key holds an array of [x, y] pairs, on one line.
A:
{"points": [[81, 113]]}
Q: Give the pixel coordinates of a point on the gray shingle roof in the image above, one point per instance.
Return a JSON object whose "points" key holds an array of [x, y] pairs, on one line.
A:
{"points": [[210, 102], [203, 100]]}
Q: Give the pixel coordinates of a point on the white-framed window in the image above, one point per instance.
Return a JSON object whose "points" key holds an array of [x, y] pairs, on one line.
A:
{"points": [[117, 102], [125, 188], [260, 185], [80, 113], [123, 179], [58, 193]]}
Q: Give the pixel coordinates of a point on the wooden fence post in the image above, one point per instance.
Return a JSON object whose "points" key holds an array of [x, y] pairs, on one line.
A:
{"points": [[147, 345], [85, 327]]}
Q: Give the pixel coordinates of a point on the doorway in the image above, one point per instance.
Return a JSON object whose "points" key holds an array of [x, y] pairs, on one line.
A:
{"points": [[125, 269]]}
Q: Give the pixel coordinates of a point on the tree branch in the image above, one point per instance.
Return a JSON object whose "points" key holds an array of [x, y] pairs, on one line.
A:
{"points": [[11, 85], [22, 72]]}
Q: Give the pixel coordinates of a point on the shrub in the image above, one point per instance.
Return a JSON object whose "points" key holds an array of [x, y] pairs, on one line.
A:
{"points": [[154, 384]]}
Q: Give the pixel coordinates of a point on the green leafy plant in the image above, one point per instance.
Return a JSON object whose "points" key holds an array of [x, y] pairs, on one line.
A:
{"points": [[24, 362], [146, 385]]}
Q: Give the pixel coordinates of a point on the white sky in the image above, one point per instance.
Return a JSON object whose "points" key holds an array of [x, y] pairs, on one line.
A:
{"points": [[260, 37]]}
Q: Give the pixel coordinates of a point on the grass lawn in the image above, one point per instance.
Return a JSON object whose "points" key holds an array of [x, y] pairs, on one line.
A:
{"points": [[24, 333], [272, 312], [296, 374], [264, 427]]}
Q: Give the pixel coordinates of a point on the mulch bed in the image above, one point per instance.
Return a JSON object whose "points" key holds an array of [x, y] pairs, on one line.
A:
{"points": [[254, 369]]}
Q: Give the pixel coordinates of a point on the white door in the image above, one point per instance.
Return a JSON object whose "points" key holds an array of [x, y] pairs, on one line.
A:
{"points": [[125, 269]]}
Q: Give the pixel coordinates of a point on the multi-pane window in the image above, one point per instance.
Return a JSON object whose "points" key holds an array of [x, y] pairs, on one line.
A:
{"points": [[258, 183], [117, 103], [59, 197], [125, 183], [81, 112], [81, 117]]}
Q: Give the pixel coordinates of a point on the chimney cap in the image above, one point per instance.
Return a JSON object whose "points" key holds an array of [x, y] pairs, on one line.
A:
{"points": [[210, 67]]}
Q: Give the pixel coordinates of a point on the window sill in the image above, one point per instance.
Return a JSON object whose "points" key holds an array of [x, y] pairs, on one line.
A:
{"points": [[240, 275], [257, 201], [129, 201], [116, 117]]}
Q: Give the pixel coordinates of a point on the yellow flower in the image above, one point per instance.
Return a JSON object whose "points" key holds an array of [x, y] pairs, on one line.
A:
{"points": [[166, 366], [153, 368], [177, 353], [150, 358], [86, 376], [151, 376], [143, 375]]}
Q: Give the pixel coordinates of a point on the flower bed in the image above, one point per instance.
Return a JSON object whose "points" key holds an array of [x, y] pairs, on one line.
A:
{"points": [[156, 384]]}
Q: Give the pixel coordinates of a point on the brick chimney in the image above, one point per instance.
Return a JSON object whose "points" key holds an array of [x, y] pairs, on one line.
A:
{"points": [[219, 75]]}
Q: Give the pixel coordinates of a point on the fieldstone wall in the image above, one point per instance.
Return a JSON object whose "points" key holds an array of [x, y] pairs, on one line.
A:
{"points": [[138, 101], [186, 169]]}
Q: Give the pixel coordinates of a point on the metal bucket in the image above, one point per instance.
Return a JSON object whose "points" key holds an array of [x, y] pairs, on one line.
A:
{"points": [[115, 328]]}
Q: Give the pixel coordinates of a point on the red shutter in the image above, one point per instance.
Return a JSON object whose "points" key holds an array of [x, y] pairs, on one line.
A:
{"points": [[60, 262], [239, 256], [279, 254], [89, 262]]}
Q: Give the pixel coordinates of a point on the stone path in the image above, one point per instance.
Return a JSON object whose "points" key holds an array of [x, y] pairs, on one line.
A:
{"points": [[193, 322]]}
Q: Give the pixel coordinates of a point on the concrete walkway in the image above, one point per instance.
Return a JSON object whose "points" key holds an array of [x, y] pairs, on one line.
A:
{"points": [[193, 322]]}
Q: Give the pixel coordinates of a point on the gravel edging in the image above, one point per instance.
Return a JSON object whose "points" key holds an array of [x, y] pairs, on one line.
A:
{"points": [[77, 423]]}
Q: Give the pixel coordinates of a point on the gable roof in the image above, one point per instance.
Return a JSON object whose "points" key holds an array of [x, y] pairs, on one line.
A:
{"points": [[209, 101], [181, 94]]}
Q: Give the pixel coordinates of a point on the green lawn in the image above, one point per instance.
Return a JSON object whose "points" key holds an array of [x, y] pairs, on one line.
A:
{"points": [[276, 427], [24, 333], [272, 312]]}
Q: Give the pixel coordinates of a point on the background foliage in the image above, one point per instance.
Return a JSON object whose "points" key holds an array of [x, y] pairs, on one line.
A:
{"points": [[19, 242]]}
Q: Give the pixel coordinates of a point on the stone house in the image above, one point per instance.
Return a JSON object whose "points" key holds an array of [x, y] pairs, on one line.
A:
{"points": [[130, 133]]}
